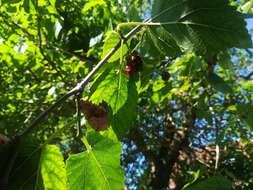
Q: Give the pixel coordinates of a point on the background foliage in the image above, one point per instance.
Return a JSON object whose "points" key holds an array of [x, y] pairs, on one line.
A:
{"points": [[183, 122]]}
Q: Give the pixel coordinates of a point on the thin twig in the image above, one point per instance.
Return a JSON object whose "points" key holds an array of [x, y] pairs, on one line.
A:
{"points": [[78, 114]]}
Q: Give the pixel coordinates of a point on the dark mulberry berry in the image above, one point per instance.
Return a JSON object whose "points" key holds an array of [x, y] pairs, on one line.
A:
{"points": [[165, 75], [133, 63]]}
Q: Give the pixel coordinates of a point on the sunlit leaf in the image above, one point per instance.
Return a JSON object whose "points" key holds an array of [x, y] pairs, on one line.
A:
{"points": [[97, 168], [93, 3], [53, 168], [113, 38], [113, 90]]}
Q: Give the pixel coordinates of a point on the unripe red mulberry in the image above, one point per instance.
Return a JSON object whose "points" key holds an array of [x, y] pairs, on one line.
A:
{"points": [[129, 70]]}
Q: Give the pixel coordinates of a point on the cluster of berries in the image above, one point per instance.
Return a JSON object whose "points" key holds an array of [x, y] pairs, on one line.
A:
{"points": [[133, 63]]}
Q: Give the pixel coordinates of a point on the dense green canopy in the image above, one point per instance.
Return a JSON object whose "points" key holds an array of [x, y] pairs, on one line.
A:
{"points": [[134, 94]]}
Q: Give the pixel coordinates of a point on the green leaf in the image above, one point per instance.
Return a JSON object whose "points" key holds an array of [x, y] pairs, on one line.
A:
{"points": [[193, 65], [180, 64], [113, 38], [246, 85], [50, 28], [123, 120], [218, 83], [26, 6], [11, 9], [158, 84], [245, 112], [97, 168], [29, 6], [160, 95], [52, 2], [203, 26], [53, 168], [113, 90], [247, 6], [212, 183], [11, 1], [26, 170], [93, 3], [163, 42]]}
